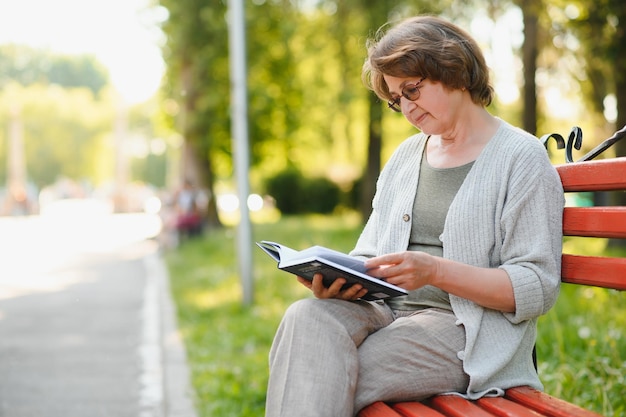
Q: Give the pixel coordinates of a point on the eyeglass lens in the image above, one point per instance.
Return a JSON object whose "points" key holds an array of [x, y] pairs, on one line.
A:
{"points": [[410, 92]]}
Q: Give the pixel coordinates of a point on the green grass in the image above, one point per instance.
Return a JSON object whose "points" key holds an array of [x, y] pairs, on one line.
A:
{"points": [[581, 344]]}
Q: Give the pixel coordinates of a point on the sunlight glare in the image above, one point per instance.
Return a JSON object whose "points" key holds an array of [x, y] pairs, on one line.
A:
{"points": [[122, 34], [610, 108]]}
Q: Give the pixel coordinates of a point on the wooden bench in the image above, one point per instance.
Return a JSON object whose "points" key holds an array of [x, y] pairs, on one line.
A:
{"points": [[607, 272]]}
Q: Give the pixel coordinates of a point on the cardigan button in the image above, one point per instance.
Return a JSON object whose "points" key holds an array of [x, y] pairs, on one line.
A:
{"points": [[406, 217], [461, 355]]}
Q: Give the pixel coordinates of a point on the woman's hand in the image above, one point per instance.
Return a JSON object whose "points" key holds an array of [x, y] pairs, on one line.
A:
{"points": [[410, 270], [488, 287], [351, 293]]}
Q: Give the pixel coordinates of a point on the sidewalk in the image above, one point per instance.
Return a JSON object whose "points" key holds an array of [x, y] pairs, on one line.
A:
{"points": [[93, 335]]}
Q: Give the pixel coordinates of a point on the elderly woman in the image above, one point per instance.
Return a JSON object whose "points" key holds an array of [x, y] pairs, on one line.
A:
{"points": [[467, 216]]}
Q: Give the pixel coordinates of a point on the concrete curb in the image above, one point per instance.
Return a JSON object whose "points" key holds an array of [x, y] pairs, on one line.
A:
{"points": [[178, 393]]}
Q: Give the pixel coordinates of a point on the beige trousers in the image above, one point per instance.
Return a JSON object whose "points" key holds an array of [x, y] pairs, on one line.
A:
{"points": [[330, 358]]}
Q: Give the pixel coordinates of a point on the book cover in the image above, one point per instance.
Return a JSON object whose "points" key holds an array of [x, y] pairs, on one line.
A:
{"points": [[332, 265]]}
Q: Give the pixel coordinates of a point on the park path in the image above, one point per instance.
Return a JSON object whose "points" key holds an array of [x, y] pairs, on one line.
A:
{"points": [[87, 324]]}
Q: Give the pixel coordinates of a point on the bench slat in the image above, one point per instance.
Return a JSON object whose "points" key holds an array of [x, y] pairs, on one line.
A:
{"points": [[502, 407], [455, 406], [546, 404], [378, 409], [415, 409], [594, 270], [602, 175], [608, 222]]}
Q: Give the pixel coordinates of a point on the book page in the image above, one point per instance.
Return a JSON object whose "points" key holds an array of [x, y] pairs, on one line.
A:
{"points": [[340, 258]]}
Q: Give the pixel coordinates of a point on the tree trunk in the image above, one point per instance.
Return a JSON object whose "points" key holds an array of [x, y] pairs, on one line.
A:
{"points": [[196, 165], [199, 172], [372, 169], [619, 70], [620, 88], [378, 10], [530, 51]]}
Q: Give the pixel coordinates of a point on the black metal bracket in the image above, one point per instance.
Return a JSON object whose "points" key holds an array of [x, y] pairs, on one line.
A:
{"points": [[575, 141]]}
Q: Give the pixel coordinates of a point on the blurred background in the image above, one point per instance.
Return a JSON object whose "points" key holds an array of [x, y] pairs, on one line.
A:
{"points": [[115, 127], [122, 102]]}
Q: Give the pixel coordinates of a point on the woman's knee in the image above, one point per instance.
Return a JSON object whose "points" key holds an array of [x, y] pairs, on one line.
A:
{"points": [[331, 316], [305, 309]]}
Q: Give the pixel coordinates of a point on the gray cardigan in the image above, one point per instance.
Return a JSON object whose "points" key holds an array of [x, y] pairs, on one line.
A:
{"points": [[507, 214]]}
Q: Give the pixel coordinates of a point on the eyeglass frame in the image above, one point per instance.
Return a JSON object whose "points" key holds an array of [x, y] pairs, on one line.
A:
{"points": [[395, 103]]}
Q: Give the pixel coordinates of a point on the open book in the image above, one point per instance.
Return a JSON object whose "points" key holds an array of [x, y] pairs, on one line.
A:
{"points": [[332, 265]]}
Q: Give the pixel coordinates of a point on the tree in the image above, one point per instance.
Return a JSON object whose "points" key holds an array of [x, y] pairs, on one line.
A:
{"points": [[65, 132], [599, 28], [28, 66], [197, 78], [379, 12], [530, 54]]}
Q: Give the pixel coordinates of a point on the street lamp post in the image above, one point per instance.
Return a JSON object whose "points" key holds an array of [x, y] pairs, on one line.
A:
{"points": [[239, 123]]}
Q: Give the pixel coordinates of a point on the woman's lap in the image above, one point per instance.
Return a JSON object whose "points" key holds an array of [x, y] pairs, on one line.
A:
{"points": [[406, 357], [413, 358], [314, 360]]}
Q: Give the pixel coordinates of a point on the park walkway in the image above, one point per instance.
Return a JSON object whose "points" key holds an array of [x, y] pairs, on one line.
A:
{"points": [[90, 331]]}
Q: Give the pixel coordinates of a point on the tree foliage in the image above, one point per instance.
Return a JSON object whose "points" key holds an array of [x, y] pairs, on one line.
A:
{"points": [[63, 110], [66, 133], [29, 66], [594, 34], [307, 107], [66, 113]]}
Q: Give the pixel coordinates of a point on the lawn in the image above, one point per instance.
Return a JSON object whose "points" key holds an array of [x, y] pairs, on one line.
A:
{"points": [[581, 344]]}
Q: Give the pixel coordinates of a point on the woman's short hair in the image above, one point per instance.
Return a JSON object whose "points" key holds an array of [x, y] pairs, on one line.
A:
{"points": [[430, 47]]}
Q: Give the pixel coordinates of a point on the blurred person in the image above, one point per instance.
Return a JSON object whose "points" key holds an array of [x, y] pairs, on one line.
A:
{"points": [[189, 219], [467, 216], [18, 201]]}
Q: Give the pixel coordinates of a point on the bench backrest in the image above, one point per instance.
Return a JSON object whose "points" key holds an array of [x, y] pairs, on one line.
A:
{"points": [[604, 222]]}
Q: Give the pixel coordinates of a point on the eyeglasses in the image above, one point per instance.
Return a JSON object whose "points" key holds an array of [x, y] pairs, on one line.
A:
{"points": [[410, 92]]}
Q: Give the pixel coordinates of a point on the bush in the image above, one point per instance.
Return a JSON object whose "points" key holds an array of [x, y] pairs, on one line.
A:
{"points": [[295, 194], [319, 195], [353, 197], [283, 187]]}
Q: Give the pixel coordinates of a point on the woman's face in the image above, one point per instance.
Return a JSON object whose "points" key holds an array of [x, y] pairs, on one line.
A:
{"points": [[435, 112]]}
